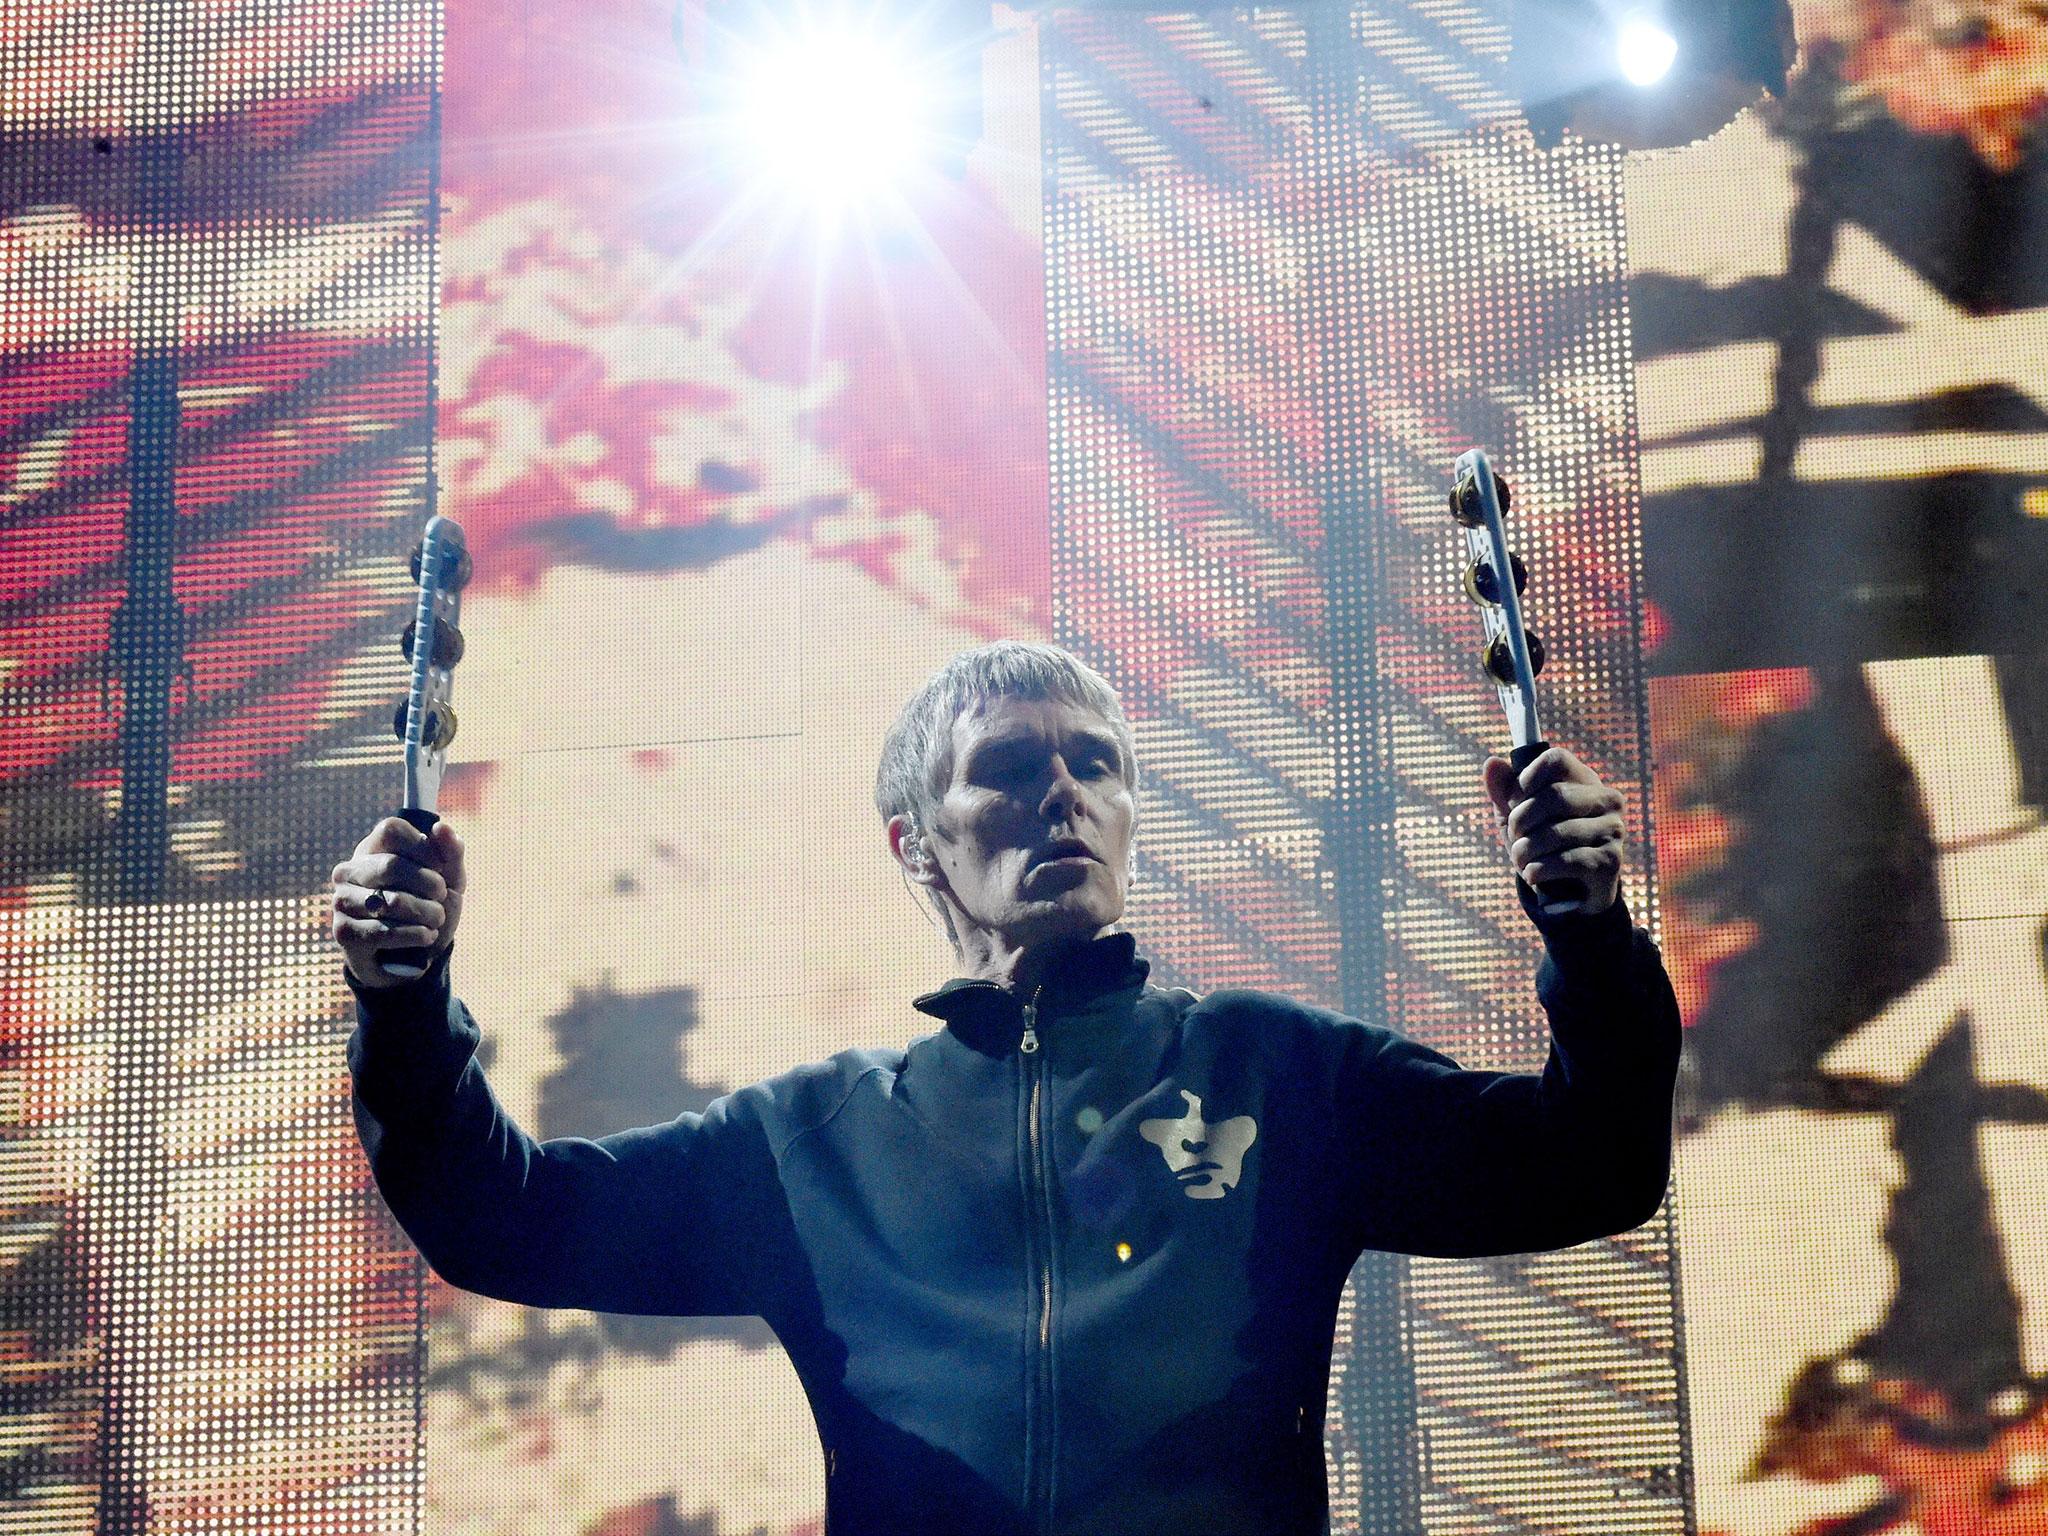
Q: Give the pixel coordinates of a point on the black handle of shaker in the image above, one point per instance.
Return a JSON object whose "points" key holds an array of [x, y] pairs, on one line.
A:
{"points": [[1555, 897], [410, 963]]}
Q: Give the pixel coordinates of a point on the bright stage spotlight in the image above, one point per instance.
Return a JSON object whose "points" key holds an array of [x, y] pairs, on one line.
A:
{"points": [[1643, 49], [837, 113], [1646, 77], [832, 107]]}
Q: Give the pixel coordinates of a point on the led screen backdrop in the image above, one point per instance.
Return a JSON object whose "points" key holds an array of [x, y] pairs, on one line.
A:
{"points": [[1838, 317], [1171, 371], [215, 312], [1288, 281]]}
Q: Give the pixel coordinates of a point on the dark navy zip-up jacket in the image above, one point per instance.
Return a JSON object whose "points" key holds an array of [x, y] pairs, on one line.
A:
{"points": [[1089, 1287]]}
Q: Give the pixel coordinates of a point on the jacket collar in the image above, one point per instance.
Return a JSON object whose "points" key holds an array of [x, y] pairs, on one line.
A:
{"points": [[1097, 969]]}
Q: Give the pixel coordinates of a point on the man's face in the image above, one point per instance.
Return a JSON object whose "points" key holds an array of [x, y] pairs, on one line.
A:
{"points": [[1033, 834]]}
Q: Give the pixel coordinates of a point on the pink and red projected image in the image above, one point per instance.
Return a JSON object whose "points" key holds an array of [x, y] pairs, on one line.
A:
{"points": [[738, 472]]}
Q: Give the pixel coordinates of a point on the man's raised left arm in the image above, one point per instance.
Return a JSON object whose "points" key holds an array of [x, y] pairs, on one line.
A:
{"points": [[1459, 1163]]}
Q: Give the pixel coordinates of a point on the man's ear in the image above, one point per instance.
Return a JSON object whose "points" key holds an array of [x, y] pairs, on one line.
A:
{"points": [[913, 852]]}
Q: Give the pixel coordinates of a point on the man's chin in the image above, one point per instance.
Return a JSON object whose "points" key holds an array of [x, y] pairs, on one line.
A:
{"points": [[1048, 921]]}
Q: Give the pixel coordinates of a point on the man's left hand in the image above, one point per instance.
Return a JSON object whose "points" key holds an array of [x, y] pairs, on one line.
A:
{"points": [[1560, 823]]}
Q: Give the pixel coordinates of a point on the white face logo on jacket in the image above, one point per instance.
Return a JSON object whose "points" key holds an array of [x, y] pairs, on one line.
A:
{"points": [[1207, 1159]]}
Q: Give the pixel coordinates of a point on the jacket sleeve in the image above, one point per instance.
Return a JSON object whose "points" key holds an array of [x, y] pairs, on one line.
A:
{"points": [[648, 1221], [1457, 1164]]}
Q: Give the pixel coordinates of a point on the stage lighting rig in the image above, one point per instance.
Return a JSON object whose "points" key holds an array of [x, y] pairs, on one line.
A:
{"points": [[1644, 74]]}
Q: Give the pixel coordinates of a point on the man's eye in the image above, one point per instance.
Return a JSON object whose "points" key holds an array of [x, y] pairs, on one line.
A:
{"points": [[1015, 769]]}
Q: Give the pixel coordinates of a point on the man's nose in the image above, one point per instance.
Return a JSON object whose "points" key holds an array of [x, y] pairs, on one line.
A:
{"points": [[1063, 785], [1193, 1146]]}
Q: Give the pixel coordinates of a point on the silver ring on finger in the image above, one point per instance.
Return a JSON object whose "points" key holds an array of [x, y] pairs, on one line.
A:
{"points": [[375, 903]]}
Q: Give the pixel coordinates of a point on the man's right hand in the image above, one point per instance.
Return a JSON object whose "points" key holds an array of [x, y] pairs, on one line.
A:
{"points": [[401, 889]]}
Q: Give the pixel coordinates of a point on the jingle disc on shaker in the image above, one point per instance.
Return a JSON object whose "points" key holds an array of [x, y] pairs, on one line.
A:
{"points": [[1481, 586], [448, 642], [1499, 660]]}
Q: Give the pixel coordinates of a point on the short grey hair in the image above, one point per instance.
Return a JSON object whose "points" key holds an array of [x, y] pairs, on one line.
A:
{"points": [[917, 754]]}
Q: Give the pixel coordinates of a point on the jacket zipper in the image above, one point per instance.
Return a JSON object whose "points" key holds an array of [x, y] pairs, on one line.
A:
{"points": [[1039, 1473]]}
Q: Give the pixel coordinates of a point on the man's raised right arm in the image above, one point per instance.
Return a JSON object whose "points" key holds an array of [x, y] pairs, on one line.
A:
{"points": [[651, 1220]]}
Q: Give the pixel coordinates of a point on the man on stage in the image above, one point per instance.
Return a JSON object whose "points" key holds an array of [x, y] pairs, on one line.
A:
{"points": [[1071, 1263]]}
